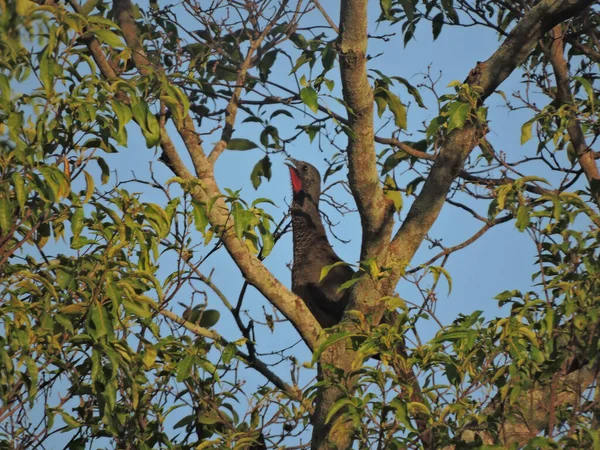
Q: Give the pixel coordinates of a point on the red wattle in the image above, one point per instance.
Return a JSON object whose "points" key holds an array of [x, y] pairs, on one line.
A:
{"points": [[296, 181]]}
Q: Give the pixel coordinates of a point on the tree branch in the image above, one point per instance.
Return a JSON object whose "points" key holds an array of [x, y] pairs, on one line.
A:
{"points": [[375, 209], [485, 77], [565, 97]]}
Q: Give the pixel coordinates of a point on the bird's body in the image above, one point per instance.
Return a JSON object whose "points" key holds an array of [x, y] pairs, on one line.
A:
{"points": [[312, 250]]}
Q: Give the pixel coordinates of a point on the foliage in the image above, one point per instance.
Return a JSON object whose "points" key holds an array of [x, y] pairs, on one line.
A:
{"points": [[98, 349]]}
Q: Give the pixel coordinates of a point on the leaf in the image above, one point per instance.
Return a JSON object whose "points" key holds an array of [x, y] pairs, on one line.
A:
{"points": [[6, 213], [526, 131], [523, 217], [265, 64], [587, 86], [328, 59], [329, 341], [200, 217], [184, 368], [46, 71], [240, 144], [77, 222], [436, 25], [261, 169], [102, 323], [417, 408], [325, 270], [386, 6], [209, 318], [457, 115], [104, 169], [153, 129], [19, 186], [402, 413], [339, 404], [392, 192], [436, 271], [412, 91], [347, 284], [89, 187], [240, 219], [109, 38], [282, 111], [310, 98], [398, 109]]}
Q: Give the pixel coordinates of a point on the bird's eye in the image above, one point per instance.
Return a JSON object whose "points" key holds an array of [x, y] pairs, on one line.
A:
{"points": [[305, 168]]}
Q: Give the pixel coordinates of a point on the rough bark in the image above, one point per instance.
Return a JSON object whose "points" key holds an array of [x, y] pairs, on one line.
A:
{"points": [[374, 207], [564, 96]]}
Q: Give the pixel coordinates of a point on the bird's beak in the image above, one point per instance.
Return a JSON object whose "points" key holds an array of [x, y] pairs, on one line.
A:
{"points": [[291, 162]]}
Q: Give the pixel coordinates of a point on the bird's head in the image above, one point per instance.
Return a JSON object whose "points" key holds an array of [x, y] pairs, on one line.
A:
{"points": [[306, 181]]}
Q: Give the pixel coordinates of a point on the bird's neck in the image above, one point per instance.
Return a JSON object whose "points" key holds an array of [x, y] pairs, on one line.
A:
{"points": [[307, 226]]}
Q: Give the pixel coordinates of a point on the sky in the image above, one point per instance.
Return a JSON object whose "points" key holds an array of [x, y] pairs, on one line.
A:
{"points": [[502, 259]]}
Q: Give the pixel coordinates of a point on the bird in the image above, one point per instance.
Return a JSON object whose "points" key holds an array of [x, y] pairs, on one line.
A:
{"points": [[312, 250]]}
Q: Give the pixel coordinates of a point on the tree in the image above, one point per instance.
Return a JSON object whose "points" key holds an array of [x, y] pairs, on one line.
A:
{"points": [[107, 324]]}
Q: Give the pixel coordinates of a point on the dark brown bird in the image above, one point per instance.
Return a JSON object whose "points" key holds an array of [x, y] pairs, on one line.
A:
{"points": [[312, 250]]}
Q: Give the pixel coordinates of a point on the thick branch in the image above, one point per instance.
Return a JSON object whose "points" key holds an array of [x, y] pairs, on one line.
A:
{"points": [[374, 207], [565, 97]]}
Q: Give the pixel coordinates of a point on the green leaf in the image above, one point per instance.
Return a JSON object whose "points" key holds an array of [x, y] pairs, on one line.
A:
{"points": [[417, 408], [587, 86], [46, 71], [329, 341], [391, 191], [261, 169], [457, 115], [200, 217], [184, 368], [89, 187], [402, 413], [412, 90], [436, 271], [77, 222], [265, 64], [310, 98], [109, 38], [348, 284], [102, 322], [339, 404], [386, 6], [526, 131], [381, 104], [19, 186], [240, 219], [436, 25], [209, 318], [240, 144], [282, 111], [267, 243], [398, 109], [104, 169], [325, 270], [6, 213], [523, 217]]}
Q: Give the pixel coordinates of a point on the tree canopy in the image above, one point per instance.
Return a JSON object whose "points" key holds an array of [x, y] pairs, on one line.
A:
{"points": [[119, 329]]}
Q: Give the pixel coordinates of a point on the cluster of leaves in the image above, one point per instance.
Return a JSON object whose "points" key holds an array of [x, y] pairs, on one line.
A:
{"points": [[81, 290]]}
